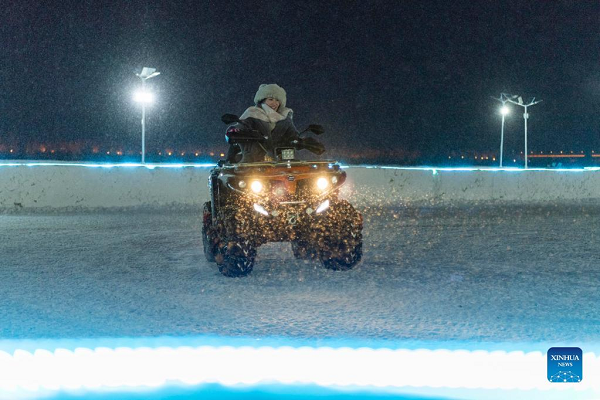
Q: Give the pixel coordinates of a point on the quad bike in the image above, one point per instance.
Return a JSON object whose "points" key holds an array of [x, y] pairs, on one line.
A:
{"points": [[283, 200]]}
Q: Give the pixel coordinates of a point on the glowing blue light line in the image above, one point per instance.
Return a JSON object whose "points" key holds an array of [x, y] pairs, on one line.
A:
{"points": [[102, 368], [471, 169], [343, 166], [105, 165]]}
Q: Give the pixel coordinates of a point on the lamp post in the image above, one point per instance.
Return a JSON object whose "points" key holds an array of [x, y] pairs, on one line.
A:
{"points": [[504, 110], [144, 98], [519, 102]]}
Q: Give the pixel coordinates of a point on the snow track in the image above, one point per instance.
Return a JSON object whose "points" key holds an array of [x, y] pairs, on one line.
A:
{"points": [[468, 274]]}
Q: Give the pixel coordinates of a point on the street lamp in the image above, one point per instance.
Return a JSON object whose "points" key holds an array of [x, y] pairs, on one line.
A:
{"points": [[519, 102], [504, 110], [144, 97]]}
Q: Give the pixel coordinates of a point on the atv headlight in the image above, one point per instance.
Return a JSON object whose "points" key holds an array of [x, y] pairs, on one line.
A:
{"points": [[322, 207], [260, 209], [242, 184], [334, 179], [256, 186], [322, 183]]}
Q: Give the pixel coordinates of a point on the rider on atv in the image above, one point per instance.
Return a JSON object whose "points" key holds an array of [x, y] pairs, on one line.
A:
{"points": [[264, 193], [270, 120]]}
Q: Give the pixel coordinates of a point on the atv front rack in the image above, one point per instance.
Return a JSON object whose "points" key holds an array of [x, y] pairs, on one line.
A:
{"points": [[281, 164]]}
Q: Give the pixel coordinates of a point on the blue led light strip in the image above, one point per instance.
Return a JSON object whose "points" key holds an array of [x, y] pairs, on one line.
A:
{"points": [[491, 169], [103, 368], [208, 165], [102, 165]]}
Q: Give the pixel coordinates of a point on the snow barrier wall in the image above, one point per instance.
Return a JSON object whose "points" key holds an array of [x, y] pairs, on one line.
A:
{"points": [[47, 187]]}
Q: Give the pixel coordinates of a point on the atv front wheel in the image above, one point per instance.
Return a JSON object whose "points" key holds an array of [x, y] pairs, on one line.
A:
{"points": [[209, 238], [341, 256], [340, 247], [238, 259]]}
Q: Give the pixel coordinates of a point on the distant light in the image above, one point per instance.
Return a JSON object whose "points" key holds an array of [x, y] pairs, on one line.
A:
{"points": [[222, 155], [143, 97], [504, 110]]}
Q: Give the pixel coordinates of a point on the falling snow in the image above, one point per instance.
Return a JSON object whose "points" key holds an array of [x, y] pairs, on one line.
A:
{"points": [[477, 274]]}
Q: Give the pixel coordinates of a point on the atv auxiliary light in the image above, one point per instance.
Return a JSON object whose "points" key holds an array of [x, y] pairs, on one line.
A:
{"points": [[324, 206], [260, 209], [322, 183], [256, 186], [242, 184], [287, 154]]}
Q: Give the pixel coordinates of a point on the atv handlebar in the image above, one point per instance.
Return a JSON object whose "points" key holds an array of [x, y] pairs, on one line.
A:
{"points": [[237, 135]]}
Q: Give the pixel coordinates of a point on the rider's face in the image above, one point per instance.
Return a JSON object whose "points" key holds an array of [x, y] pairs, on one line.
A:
{"points": [[273, 103]]}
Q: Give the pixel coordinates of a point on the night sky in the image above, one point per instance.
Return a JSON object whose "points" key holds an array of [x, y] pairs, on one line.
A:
{"points": [[415, 75]]}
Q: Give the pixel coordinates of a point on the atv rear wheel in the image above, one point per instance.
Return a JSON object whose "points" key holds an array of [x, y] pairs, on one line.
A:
{"points": [[209, 238], [238, 258], [340, 247]]}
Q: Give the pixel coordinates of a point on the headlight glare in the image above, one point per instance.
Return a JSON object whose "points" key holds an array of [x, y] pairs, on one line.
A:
{"points": [[256, 186], [322, 183]]}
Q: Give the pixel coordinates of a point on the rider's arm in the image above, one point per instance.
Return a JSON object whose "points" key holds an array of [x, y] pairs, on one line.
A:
{"points": [[242, 130]]}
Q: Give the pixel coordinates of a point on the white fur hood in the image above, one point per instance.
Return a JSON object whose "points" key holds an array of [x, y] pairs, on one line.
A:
{"points": [[259, 113]]}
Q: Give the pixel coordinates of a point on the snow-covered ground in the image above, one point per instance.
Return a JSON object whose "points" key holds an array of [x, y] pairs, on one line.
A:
{"points": [[469, 274]]}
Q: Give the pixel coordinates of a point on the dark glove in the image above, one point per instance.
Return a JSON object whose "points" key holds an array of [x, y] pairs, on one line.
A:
{"points": [[236, 135], [312, 145]]}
